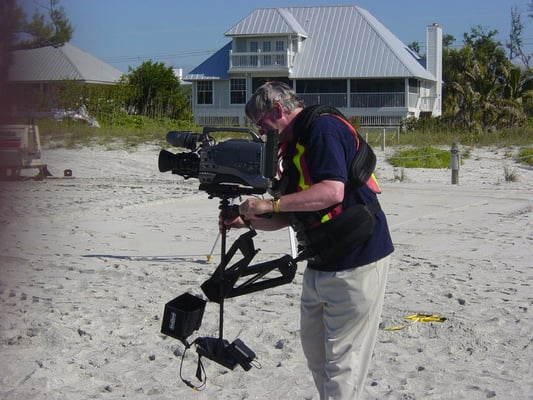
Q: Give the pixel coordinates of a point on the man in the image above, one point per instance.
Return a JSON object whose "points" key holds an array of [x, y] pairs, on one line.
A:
{"points": [[344, 282]]}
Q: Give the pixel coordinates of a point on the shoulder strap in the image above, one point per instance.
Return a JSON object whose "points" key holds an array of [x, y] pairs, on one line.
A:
{"points": [[307, 116], [364, 162]]}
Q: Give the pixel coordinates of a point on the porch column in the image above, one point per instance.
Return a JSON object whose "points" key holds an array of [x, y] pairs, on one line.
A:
{"points": [[348, 97], [406, 87]]}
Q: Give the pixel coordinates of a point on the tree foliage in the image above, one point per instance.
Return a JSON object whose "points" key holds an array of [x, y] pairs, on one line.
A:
{"points": [[483, 89], [47, 26], [415, 46], [515, 35], [156, 91]]}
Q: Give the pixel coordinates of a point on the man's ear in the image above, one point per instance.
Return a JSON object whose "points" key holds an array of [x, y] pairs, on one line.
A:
{"points": [[279, 110]]}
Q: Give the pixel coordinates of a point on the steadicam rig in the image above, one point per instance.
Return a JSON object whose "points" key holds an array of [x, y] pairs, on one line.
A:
{"points": [[226, 170]]}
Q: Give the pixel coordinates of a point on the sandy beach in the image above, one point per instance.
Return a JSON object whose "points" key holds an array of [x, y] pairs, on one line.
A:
{"points": [[88, 262]]}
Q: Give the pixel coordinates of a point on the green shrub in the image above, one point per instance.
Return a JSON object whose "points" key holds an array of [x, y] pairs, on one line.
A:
{"points": [[525, 156], [121, 129], [126, 132], [423, 157]]}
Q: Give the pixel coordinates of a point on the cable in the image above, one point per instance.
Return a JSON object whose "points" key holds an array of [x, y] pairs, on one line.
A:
{"points": [[199, 371]]}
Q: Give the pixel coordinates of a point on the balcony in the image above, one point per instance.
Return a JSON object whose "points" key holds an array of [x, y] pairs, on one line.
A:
{"points": [[370, 100], [280, 61], [357, 100], [377, 100]]}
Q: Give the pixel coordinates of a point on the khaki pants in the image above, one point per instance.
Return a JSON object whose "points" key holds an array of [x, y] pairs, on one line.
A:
{"points": [[340, 314]]}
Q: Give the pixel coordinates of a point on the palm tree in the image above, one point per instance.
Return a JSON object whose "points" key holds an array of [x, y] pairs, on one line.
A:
{"points": [[517, 93], [466, 111], [479, 98]]}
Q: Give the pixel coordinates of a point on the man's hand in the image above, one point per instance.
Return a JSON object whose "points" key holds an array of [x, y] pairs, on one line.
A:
{"points": [[229, 218], [254, 208]]}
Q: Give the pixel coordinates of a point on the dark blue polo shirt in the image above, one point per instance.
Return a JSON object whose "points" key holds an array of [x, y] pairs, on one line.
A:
{"points": [[329, 149]]}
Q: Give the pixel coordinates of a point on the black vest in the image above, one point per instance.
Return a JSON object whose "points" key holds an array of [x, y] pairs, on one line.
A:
{"points": [[361, 167], [306, 224]]}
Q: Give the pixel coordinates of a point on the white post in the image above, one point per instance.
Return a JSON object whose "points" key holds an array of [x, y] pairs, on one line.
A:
{"points": [[455, 161], [292, 240]]}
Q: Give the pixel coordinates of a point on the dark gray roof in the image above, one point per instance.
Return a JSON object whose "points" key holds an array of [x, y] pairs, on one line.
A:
{"points": [[340, 42], [60, 63]]}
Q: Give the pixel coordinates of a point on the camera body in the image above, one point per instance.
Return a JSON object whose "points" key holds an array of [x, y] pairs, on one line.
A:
{"points": [[231, 168]]}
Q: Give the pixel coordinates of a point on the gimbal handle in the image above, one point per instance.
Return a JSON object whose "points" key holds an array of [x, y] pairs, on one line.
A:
{"points": [[223, 282]]}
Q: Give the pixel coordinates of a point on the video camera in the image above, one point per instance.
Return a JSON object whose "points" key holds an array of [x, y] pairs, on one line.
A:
{"points": [[231, 168]]}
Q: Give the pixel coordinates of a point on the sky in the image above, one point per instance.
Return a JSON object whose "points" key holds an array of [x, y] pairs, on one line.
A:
{"points": [[183, 34]]}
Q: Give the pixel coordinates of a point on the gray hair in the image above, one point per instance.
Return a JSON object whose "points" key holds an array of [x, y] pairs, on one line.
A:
{"points": [[269, 93]]}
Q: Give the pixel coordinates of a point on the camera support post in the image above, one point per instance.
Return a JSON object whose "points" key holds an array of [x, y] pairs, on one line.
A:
{"points": [[216, 349]]}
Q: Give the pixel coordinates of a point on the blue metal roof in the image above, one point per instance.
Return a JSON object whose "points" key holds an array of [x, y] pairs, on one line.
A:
{"points": [[215, 67], [339, 42]]}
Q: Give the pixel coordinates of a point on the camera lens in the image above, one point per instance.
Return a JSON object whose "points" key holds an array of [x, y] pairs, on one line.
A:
{"points": [[183, 139]]}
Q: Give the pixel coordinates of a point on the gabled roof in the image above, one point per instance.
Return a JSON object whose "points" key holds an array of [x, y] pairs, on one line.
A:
{"points": [[61, 63], [339, 42], [268, 21], [349, 41]]}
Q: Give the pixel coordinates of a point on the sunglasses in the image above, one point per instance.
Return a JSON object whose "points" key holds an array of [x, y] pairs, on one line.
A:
{"points": [[257, 121]]}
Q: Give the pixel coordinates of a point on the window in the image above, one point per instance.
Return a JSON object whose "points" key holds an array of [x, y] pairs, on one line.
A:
{"points": [[267, 60], [267, 48], [321, 86], [414, 86], [237, 91], [256, 82], [377, 85], [205, 92], [254, 47], [280, 45]]}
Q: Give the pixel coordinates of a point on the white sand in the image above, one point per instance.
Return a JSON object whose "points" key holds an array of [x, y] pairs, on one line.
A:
{"points": [[88, 263]]}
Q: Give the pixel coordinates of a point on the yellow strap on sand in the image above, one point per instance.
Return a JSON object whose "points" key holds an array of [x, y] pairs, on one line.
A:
{"points": [[416, 318], [425, 318], [394, 328]]}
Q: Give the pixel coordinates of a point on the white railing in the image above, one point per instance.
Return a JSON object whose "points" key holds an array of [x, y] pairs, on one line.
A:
{"points": [[394, 101], [413, 100], [327, 99], [377, 100], [357, 100], [218, 120], [427, 103], [261, 60], [370, 100]]}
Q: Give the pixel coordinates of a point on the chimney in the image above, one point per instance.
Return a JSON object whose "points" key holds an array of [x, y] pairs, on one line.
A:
{"points": [[178, 72], [434, 63]]}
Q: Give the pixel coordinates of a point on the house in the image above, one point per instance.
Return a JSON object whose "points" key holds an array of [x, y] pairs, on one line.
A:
{"points": [[35, 74], [336, 55]]}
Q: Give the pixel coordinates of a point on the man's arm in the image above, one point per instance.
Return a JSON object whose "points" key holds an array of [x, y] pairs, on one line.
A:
{"points": [[321, 195]]}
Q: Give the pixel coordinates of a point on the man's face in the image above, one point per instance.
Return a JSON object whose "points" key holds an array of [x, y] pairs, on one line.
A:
{"points": [[264, 121], [272, 119]]}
